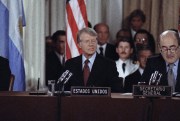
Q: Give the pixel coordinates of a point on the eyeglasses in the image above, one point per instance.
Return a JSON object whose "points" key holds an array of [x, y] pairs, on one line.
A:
{"points": [[141, 40], [172, 49]]}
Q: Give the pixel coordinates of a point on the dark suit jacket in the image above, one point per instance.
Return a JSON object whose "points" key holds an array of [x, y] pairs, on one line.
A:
{"points": [[131, 80], [53, 67], [110, 52], [5, 74], [157, 63], [103, 74]]}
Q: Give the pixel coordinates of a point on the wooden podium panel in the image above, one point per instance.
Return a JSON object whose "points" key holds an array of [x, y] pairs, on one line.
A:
{"points": [[22, 107], [104, 109], [28, 108], [166, 109]]}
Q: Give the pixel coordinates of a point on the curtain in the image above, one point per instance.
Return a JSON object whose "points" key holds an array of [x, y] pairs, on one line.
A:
{"points": [[160, 14], [34, 43], [44, 17]]}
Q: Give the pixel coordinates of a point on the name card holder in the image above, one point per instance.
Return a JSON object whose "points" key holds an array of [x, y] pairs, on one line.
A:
{"points": [[152, 91], [91, 91]]}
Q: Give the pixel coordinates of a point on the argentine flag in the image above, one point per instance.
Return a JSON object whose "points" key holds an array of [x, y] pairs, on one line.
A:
{"points": [[11, 22]]}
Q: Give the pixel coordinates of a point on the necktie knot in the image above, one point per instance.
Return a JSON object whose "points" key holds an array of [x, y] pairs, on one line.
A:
{"points": [[86, 62], [171, 66], [101, 50]]}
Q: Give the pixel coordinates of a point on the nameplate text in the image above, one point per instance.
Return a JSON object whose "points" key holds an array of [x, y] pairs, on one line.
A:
{"points": [[152, 91], [90, 91]]}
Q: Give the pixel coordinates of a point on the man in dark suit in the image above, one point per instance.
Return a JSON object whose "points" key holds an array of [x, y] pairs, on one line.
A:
{"points": [[143, 53], [166, 65], [5, 74], [55, 59], [102, 72], [103, 47]]}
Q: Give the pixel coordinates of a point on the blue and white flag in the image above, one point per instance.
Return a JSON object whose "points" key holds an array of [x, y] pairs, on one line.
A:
{"points": [[11, 22]]}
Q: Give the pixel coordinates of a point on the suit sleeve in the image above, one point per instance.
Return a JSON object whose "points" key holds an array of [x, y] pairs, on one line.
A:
{"points": [[115, 81]]}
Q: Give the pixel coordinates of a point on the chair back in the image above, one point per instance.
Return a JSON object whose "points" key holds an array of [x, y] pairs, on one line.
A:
{"points": [[12, 77]]}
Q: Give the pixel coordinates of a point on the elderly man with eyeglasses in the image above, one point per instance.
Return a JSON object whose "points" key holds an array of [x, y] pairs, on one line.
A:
{"points": [[166, 64]]}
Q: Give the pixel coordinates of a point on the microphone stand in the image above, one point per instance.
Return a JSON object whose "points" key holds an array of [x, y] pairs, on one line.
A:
{"points": [[60, 80], [61, 91]]}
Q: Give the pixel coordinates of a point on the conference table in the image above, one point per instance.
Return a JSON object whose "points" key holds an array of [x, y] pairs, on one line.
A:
{"points": [[20, 106]]}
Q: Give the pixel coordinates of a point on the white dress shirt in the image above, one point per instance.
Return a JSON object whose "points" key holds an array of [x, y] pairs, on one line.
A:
{"points": [[104, 48], [129, 68]]}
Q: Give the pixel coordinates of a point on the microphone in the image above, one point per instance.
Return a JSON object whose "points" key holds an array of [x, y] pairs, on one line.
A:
{"points": [[62, 77], [155, 78], [67, 78]]}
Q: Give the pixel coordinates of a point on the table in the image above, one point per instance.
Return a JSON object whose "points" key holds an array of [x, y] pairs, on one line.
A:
{"points": [[166, 109], [19, 106]]}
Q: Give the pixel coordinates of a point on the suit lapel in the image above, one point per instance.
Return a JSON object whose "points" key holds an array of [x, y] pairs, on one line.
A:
{"points": [[80, 71], [162, 70], [94, 70]]}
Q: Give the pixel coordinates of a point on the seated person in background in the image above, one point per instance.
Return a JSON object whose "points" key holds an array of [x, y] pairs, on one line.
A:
{"points": [[136, 20], [103, 47], [5, 74], [90, 68], [143, 37], [55, 59], [166, 64], [143, 53], [125, 65]]}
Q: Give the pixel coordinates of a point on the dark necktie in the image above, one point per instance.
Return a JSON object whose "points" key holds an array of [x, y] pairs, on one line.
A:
{"points": [[171, 78], [123, 67], [86, 72], [101, 51]]}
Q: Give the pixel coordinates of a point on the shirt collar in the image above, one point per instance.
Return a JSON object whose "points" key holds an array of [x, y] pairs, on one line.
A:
{"points": [[141, 70], [126, 61], [103, 46], [175, 63], [91, 59]]}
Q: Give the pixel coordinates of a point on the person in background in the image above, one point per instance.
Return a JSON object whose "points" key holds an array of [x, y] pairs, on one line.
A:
{"points": [[5, 74], [49, 44], [123, 33], [55, 60], [103, 47], [90, 68], [143, 53], [136, 20], [166, 64], [144, 38], [125, 65]]}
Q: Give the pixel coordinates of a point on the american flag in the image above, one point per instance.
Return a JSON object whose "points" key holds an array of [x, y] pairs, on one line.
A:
{"points": [[76, 19]]}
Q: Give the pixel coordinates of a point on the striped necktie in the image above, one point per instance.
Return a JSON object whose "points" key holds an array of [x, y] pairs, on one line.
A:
{"points": [[170, 75]]}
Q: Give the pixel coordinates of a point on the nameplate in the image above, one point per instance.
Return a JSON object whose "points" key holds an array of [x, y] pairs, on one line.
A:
{"points": [[90, 91], [152, 91]]}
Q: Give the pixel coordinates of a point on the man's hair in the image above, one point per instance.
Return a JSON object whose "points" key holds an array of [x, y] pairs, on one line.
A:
{"points": [[125, 39], [100, 24], [57, 34], [174, 32], [137, 13], [123, 30], [86, 30], [142, 48]]}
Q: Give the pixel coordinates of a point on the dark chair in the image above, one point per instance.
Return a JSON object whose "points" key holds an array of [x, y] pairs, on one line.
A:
{"points": [[11, 83]]}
